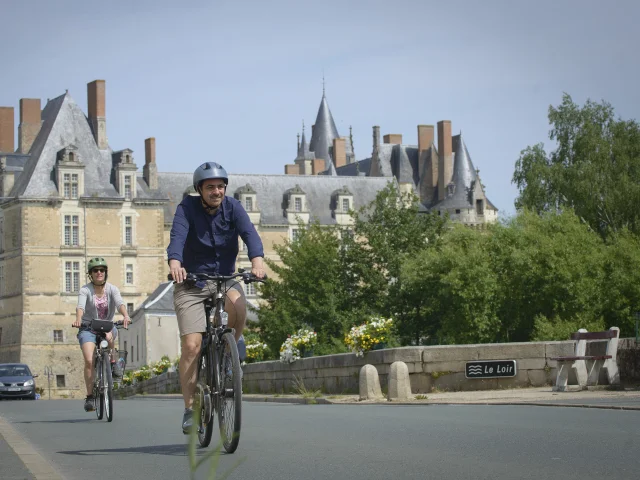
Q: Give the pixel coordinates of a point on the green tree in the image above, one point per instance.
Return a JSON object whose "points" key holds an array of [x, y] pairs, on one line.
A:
{"points": [[453, 287], [386, 232], [307, 291], [595, 169]]}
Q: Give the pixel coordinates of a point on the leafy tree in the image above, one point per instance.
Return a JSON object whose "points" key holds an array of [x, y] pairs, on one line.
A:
{"points": [[307, 291], [385, 233], [595, 169], [453, 287]]}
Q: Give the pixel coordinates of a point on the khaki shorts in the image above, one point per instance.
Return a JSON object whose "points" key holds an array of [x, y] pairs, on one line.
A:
{"points": [[188, 302]]}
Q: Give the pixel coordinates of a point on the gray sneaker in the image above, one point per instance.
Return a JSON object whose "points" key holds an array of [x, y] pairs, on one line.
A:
{"points": [[187, 421]]}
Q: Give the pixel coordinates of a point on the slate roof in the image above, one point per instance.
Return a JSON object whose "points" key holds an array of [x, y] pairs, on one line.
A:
{"points": [[271, 192], [324, 131]]}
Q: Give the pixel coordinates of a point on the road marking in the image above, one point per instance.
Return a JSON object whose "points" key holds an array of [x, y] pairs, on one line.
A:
{"points": [[38, 466]]}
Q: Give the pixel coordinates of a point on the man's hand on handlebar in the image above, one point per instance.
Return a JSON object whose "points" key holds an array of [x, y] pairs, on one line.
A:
{"points": [[76, 323], [178, 273]]}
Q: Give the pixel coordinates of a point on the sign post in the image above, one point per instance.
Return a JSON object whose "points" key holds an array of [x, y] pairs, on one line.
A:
{"points": [[48, 373]]}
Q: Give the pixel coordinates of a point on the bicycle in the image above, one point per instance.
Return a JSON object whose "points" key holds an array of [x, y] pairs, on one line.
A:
{"points": [[218, 374], [103, 380]]}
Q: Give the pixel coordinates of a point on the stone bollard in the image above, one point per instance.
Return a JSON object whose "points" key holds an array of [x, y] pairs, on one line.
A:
{"points": [[369, 383], [399, 384]]}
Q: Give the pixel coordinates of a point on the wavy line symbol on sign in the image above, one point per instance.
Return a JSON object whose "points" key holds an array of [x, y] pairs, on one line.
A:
{"points": [[475, 369]]}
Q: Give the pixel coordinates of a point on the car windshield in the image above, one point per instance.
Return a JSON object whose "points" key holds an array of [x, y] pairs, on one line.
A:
{"points": [[14, 371]]}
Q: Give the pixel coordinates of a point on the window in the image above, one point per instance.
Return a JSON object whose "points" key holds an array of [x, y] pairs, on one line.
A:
{"points": [[125, 345], [345, 204], [1, 234], [127, 187], [71, 277], [250, 289], [71, 230], [457, 210], [0, 335], [128, 274], [295, 233], [248, 204], [128, 231], [2, 289], [132, 353], [57, 336], [70, 185], [479, 207], [60, 381], [297, 204], [137, 349], [129, 312]]}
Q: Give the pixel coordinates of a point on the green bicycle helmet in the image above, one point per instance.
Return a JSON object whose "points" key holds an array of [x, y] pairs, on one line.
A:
{"points": [[97, 262]]}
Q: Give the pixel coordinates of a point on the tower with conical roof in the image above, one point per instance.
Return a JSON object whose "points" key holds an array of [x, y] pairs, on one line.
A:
{"points": [[324, 132]]}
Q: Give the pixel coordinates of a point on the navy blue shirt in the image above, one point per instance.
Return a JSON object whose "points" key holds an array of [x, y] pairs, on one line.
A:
{"points": [[206, 243]]}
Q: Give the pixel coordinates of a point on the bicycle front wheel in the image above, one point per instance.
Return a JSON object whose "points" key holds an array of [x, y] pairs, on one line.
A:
{"points": [[230, 394], [204, 385], [107, 381], [99, 388]]}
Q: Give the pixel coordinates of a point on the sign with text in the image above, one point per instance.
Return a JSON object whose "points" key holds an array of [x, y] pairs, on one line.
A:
{"points": [[490, 369]]}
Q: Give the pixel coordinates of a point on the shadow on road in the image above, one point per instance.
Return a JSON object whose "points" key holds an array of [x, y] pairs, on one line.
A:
{"points": [[179, 449], [71, 420]]}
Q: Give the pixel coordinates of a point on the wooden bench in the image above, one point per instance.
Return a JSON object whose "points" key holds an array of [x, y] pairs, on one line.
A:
{"points": [[587, 367]]}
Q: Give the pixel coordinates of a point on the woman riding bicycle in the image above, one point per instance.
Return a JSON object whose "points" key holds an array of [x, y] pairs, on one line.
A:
{"points": [[97, 300]]}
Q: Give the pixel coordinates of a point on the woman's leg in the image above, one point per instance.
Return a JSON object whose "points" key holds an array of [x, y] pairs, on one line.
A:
{"points": [[88, 348]]}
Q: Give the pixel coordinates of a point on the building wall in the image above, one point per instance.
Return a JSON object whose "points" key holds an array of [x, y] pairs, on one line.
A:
{"points": [[34, 303]]}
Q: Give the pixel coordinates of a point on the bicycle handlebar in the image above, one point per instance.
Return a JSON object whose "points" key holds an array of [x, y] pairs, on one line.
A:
{"points": [[119, 323], [247, 277]]}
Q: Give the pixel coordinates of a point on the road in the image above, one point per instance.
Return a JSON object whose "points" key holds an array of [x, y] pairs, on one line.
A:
{"points": [[289, 441]]}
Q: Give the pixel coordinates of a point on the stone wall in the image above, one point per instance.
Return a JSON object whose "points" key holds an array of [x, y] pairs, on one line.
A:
{"points": [[430, 368]]}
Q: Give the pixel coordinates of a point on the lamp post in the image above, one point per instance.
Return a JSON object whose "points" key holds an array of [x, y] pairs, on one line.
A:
{"points": [[48, 373]]}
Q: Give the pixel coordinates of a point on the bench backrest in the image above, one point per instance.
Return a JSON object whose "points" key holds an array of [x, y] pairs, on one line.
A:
{"points": [[581, 337], [595, 335]]}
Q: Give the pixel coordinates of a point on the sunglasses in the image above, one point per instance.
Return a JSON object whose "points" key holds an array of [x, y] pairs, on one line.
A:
{"points": [[98, 270]]}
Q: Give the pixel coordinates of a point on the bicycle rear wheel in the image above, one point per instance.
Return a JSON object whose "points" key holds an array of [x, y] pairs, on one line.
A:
{"points": [[108, 386], [230, 395], [98, 391], [204, 415]]}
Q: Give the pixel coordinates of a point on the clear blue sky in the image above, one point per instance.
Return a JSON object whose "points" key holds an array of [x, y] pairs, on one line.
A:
{"points": [[232, 81]]}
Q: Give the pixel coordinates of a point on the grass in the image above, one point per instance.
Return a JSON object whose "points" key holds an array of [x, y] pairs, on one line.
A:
{"points": [[301, 389], [421, 397]]}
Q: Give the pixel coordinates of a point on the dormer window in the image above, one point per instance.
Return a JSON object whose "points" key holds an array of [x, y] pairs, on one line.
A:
{"points": [[246, 195], [127, 187], [248, 204], [297, 202], [341, 204], [70, 185], [69, 173]]}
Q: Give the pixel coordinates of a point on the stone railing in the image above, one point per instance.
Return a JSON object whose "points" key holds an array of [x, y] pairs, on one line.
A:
{"points": [[430, 368]]}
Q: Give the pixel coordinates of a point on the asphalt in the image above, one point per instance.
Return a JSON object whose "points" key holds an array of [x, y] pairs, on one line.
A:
{"points": [[21, 461]]}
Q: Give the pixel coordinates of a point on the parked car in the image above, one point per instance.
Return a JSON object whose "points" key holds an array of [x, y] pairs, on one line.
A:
{"points": [[17, 381]]}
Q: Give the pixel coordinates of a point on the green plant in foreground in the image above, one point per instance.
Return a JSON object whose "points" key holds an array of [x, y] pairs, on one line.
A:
{"points": [[213, 456]]}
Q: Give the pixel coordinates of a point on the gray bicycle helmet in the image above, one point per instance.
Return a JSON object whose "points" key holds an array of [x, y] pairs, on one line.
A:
{"points": [[209, 170]]}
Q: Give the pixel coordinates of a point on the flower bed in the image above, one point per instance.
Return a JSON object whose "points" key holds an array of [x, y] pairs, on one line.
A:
{"points": [[303, 339]]}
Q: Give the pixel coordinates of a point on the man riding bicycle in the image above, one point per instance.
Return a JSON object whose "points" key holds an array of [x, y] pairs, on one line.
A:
{"points": [[204, 239], [97, 300]]}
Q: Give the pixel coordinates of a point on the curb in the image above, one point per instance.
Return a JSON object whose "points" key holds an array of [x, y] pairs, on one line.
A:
{"points": [[32, 460]]}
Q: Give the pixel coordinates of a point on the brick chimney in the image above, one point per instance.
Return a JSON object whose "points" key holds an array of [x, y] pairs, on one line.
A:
{"points": [[30, 122], [393, 138], [96, 92], [7, 130], [150, 169], [292, 169], [425, 164], [445, 157], [339, 152], [317, 166], [376, 136]]}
